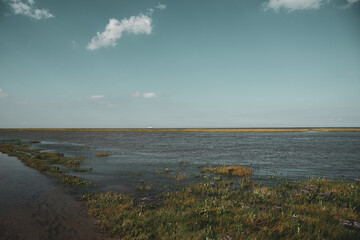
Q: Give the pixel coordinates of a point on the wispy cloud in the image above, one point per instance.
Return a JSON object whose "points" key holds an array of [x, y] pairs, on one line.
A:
{"points": [[107, 104], [21, 103], [150, 95], [350, 3], [160, 6], [74, 44], [98, 100], [114, 30], [292, 5], [145, 95], [2, 94], [96, 97], [136, 94], [27, 8]]}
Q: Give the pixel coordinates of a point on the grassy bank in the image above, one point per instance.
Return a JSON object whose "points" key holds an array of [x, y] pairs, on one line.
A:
{"points": [[229, 209], [232, 130]]}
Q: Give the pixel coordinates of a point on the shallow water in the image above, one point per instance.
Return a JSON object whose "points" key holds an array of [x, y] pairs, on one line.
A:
{"points": [[137, 156], [32, 207]]}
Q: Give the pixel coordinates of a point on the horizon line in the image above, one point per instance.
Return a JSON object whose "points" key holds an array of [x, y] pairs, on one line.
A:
{"points": [[148, 129]]}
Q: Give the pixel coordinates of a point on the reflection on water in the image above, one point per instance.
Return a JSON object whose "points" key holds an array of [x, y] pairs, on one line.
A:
{"points": [[137, 156]]}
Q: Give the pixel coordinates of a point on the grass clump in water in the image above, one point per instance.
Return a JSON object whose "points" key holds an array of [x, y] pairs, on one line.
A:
{"points": [[142, 186], [102, 154], [229, 209], [230, 170]]}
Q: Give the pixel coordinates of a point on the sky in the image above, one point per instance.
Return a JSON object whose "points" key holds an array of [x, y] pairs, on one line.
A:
{"points": [[179, 64]]}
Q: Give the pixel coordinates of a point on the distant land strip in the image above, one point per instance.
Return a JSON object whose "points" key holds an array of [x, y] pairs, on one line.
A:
{"points": [[179, 130]]}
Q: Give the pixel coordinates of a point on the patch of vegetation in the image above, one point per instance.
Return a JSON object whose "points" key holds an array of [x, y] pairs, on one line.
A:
{"points": [[142, 186], [229, 209], [230, 170], [51, 164], [179, 177], [165, 171], [234, 130], [102, 154], [74, 181]]}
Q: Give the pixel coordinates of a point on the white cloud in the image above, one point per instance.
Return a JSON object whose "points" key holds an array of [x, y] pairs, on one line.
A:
{"points": [[114, 30], [150, 95], [27, 8], [160, 6], [292, 5], [145, 95], [2, 94], [97, 97], [21, 103]]}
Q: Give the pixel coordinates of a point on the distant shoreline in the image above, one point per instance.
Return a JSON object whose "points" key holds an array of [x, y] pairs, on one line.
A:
{"points": [[210, 130]]}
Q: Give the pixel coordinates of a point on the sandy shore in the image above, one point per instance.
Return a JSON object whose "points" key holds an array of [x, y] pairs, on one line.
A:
{"points": [[32, 206]]}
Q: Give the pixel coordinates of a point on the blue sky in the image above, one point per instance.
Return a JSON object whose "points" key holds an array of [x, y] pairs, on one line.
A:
{"points": [[140, 63]]}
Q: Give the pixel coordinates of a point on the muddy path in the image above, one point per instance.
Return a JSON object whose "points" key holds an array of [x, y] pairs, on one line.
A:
{"points": [[33, 206]]}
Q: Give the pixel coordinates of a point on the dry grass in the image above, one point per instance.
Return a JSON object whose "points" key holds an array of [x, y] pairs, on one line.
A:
{"points": [[102, 154], [230, 170], [233, 130]]}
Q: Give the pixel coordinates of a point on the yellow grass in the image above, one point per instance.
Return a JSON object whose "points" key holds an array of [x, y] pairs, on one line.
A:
{"points": [[101, 154], [233, 130], [230, 170]]}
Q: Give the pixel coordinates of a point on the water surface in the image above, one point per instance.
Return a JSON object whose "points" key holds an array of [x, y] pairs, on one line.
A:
{"points": [[32, 207], [138, 156]]}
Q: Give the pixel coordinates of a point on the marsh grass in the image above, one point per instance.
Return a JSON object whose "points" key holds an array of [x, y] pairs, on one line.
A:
{"points": [[142, 186], [51, 164], [234, 130], [216, 208], [180, 177], [102, 154], [230, 170], [177, 175], [72, 180], [223, 209]]}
